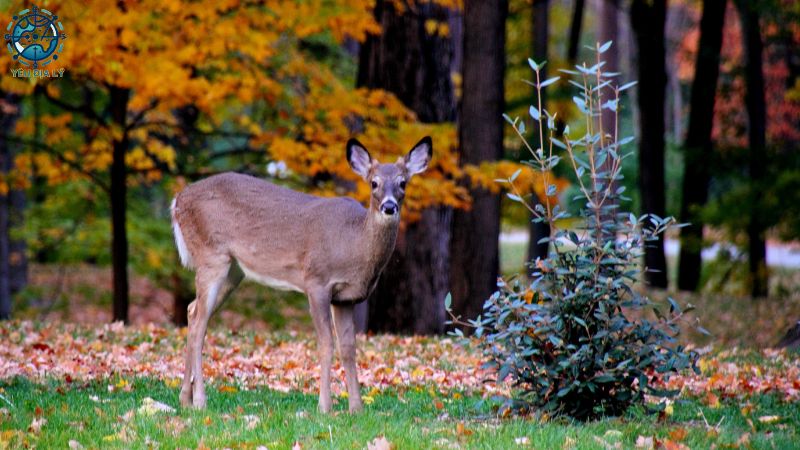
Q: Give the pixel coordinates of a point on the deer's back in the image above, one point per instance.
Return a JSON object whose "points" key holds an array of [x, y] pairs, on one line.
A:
{"points": [[266, 228]]}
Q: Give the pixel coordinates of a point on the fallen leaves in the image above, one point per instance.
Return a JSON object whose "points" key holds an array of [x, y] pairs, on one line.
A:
{"points": [[723, 378], [678, 434], [238, 361], [645, 442], [37, 424], [251, 421], [769, 419], [151, 407], [462, 430], [121, 354], [379, 443], [711, 400]]}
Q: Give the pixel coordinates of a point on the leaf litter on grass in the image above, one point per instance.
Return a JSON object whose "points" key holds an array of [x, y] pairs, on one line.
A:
{"points": [[81, 353], [241, 360]]}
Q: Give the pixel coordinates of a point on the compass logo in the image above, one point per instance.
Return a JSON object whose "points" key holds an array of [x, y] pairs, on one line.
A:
{"points": [[35, 38]]}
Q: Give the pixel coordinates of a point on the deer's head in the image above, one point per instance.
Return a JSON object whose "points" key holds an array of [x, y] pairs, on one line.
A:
{"points": [[388, 181]]}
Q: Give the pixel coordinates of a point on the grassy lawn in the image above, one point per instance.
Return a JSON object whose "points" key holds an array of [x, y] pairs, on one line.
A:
{"points": [[66, 385], [742, 400], [92, 416]]}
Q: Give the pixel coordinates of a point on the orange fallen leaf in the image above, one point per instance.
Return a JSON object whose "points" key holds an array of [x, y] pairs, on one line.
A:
{"points": [[678, 434], [462, 430], [290, 364], [671, 445], [712, 400]]}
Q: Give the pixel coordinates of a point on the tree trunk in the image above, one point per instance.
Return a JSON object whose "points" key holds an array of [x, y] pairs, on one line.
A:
{"points": [[575, 33], [413, 64], [181, 286], [17, 248], [9, 109], [609, 31], [119, 188], [182, 295], [791, 339], [698, 144], [756, 131], [648, 19], [474, 246], [541, 30]]}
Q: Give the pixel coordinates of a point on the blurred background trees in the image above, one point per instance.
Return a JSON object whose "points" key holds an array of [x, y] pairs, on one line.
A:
{"points": [[170, 92]]}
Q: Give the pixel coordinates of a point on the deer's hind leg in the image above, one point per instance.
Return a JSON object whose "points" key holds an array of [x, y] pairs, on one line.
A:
{"points": [[186, 386], [214, 283]]}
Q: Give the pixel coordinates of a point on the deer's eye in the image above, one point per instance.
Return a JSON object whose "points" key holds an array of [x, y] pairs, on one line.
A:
{"points": [[403, 185], [374, 185]]}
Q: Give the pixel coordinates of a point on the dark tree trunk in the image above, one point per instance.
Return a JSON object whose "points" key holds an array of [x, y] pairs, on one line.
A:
{"points": [[9, 108], [575, 33], [474, 247], [182, 295], [17, 248], [791, 339], [756, 131], [182, 287], [409, 62], [648, 19], [609, 31], [541, 31], [414, 65], [119, 188], [698, 145]]}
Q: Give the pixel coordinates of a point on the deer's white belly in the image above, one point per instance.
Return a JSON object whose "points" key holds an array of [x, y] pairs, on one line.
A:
{"points": [[268, 281]]}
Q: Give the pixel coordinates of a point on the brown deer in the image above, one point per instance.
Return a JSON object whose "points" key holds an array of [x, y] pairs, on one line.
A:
{"points": [[231, 226]]}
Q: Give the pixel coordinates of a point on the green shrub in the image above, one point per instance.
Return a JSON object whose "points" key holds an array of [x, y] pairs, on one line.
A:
{"points": [[573, 337]]}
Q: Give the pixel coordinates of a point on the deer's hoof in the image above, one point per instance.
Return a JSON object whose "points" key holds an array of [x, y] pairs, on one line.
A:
{"points": [[186, 397], [356, 408], [199, 401], [325, 407]]}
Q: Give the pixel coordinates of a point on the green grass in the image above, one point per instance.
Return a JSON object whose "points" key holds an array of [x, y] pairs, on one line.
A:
{"points": [[512, 257], [412, 419]]}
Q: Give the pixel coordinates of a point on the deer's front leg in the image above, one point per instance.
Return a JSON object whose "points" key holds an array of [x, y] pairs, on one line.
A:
{"points": [[320, 305], [346, 338]]}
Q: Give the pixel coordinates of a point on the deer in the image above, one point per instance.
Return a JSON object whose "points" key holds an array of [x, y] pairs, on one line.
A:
{"points": [[230, 227]]}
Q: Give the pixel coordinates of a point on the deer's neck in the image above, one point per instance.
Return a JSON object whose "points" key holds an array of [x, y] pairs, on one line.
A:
{"points": [[381, 232]]}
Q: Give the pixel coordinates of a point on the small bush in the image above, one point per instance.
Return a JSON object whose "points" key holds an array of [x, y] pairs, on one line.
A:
{"points": [[573, 337]]}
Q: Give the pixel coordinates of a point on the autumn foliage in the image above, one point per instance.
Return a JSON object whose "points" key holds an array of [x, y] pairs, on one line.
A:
{"points": [[246, 68]]}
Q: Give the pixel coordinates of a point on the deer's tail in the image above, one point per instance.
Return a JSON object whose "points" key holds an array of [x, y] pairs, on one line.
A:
{"points": [[183, 250]]}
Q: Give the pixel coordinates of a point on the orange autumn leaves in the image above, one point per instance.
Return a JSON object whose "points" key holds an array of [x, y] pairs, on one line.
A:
{"points": [[245, 360], [242, 65]]}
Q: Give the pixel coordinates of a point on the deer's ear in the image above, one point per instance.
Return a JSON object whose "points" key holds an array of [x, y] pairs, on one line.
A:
{"points": [[417, 159], [358, 158]]}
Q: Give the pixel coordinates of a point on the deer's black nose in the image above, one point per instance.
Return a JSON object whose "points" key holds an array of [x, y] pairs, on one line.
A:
{"points": [[389, 208]]}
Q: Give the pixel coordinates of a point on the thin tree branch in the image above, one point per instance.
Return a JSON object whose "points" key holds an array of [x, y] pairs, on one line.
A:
{"points": [[51, 151], [85, 109], [140, 115]]}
